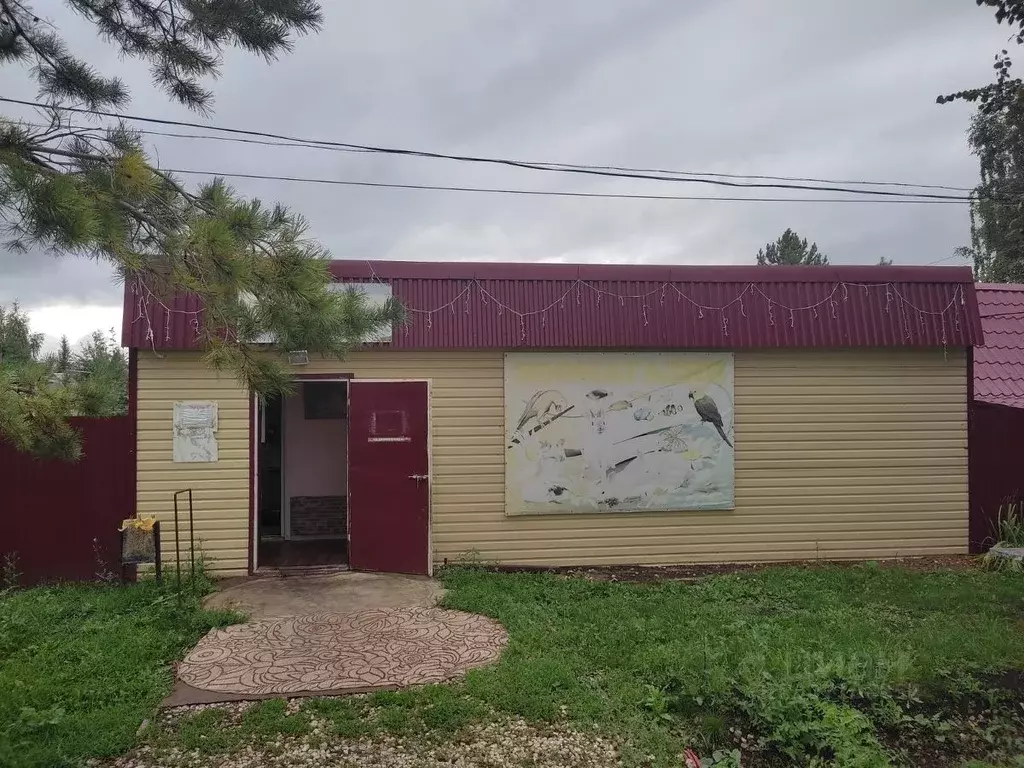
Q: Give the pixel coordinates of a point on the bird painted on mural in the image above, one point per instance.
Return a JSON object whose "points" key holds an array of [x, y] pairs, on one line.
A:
{"points": [[543, 408], [708, 412]]}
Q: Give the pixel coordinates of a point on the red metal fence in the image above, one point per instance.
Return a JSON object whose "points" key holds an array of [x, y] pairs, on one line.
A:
{"points": [[59, 519], [996, 466]]}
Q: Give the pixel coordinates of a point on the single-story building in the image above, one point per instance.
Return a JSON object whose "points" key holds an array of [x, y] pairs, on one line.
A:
{"points": [[549, 414], [997, 410]]}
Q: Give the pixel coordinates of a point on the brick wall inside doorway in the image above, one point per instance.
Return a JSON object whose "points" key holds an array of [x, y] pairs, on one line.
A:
{"points": [[319, 515]]}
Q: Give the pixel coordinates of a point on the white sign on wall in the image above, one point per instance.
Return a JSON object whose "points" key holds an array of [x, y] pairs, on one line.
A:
{"points": [[618, 432], [194, 431]]}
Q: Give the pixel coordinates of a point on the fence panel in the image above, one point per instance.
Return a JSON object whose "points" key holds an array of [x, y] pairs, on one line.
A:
{"points": [[996, 466], [59, 519]]}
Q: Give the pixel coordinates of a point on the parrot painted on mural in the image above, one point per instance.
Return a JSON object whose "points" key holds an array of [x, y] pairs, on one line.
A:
{"points": [[708, 411]]}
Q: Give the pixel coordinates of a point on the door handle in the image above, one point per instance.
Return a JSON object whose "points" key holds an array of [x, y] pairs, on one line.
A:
{"points": [[417, 478]]}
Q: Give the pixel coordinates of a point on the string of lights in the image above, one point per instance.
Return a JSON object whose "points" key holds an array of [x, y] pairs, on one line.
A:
{"points": [[839, 289], [777, 311]]}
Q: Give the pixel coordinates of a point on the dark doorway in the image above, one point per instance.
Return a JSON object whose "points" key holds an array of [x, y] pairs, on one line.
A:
{"points": [[303, 477], [270, 471]]}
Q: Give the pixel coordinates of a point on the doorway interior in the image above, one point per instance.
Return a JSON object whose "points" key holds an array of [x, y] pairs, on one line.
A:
{"points": [[302, 477]]}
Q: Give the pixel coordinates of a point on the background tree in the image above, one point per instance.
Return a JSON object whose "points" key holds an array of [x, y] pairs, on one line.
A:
{"points": [[99, 371], [996, 136], [38, 393], [33, 411], [18, 345], [791, 249], [90, 190], [60, 361], [884, 262]]}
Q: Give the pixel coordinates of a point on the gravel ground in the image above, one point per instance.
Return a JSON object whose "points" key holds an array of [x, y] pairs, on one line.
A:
{"points": [[506, 743]]}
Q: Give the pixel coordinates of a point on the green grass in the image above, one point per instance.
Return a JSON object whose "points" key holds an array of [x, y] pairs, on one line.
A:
{"points": [[1009, 533], [268, 719], [81, 666], [862, 667], [815, 662], [1010, 524], [440, 711], [214, 730]]}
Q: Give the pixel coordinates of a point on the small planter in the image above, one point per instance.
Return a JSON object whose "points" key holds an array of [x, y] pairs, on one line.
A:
{"points": [[140, 542]]}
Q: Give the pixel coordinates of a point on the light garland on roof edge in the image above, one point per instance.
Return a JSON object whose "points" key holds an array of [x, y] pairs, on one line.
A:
{"points": [[840, 293], [892, 294]]}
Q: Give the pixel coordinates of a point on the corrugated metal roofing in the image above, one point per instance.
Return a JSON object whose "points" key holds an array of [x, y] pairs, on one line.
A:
{"points": [[537, 306], [999, 363]]}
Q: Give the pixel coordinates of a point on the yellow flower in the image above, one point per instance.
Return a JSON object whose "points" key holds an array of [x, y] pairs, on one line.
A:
{"points": [[138, 524]]}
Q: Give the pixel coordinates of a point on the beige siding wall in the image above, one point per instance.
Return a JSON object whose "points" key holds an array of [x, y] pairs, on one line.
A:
{"points": [[844, 454], [221, 489]]}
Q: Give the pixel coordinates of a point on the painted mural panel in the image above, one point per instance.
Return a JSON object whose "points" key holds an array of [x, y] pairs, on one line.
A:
{"points": [[618, 432]]}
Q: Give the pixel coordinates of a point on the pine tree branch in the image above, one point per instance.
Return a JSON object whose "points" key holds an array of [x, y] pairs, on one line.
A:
{"points": [[174, 21], [92, 191], [139, 215], [262, 245], [55, 136], [6, 6], [191, 198], [155, 15], [143, 218], [98, 158], [29, 12], [44, 150]]}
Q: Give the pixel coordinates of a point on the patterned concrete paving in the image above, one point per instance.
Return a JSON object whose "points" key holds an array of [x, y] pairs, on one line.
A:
{"points": [[276, 596], [358, 651]]}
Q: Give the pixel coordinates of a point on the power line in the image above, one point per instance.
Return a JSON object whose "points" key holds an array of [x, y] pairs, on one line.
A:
{"points": [[551, 193], [865, 182], [945, 258], [549, 167], [211, 138], [304, 144], [474, 189]]}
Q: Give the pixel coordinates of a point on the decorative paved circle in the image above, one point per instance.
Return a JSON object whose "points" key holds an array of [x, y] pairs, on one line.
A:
{"points": [[333, 652]]}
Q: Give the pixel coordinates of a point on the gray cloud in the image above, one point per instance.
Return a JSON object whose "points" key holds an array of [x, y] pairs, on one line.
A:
{"points": [[792, 87]]}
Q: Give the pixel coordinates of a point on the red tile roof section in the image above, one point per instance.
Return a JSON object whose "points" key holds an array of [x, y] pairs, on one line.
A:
{"points": [[999, 363], [538, 306]]}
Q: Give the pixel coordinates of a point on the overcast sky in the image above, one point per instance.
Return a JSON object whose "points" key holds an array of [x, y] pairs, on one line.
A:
{"points": [[788, 87]]}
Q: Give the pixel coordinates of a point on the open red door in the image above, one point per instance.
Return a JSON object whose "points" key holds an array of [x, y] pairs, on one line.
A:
{"points": [[388, 477]]}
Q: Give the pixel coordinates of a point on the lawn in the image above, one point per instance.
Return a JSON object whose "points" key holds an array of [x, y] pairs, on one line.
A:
{"points": [[854, 664], [862, 666], [81, 666]]}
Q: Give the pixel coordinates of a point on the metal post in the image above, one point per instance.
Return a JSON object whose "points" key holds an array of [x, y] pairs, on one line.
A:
{"points": [[177, 547], [191, 539], [191, 536], [156, 551], [124, 568]]}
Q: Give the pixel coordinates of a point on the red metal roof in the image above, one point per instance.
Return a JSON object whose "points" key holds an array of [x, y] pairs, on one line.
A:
{"points": [[492, 305], [999, 363]]}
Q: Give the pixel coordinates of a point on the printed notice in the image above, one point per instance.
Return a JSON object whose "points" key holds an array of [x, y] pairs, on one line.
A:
{"points": [[195, 428]]}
